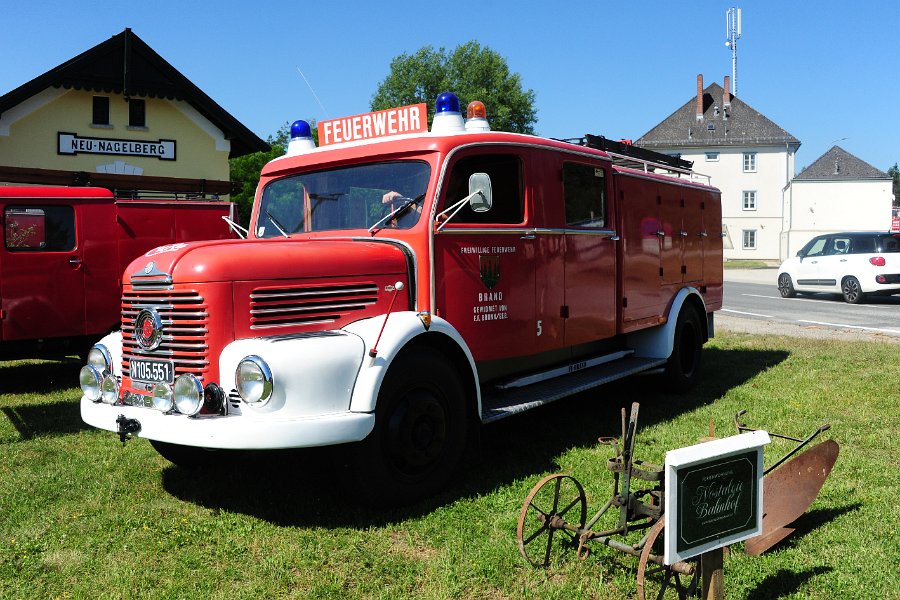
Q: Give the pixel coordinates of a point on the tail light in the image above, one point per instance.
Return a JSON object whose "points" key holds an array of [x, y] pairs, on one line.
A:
{"points": [[878, 261]]}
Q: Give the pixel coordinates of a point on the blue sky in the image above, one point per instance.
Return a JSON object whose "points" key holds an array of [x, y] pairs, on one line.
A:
{"points": [[823, 71]]}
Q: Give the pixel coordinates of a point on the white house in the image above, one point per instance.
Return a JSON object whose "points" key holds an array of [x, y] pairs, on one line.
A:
{"points": [[746, 155], [837, 192]]}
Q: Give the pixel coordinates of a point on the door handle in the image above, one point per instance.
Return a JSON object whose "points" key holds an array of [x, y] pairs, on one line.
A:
{"points": [[528, 236], [75, 261]]}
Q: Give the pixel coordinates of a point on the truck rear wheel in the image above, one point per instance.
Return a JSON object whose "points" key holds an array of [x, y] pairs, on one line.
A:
{"points": [[420, 435], [683, 367]]}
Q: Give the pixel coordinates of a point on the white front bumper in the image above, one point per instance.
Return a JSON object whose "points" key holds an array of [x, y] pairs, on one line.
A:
{"points": [[241, 432]]}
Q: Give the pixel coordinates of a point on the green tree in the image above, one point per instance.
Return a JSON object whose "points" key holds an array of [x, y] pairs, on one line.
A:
{"points": [[894, 172], [471, 72]]}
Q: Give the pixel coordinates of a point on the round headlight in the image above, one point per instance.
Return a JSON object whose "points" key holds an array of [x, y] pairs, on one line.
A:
{"points": [[100, 358], [162, 397], [109, 389], [188, 394], [253, 380], [90, 379]]}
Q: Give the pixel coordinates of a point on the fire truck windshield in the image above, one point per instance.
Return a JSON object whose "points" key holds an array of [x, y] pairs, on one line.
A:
{"points": [[355, 197]]}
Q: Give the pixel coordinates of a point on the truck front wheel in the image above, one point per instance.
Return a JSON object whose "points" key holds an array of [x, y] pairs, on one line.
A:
{"points": [[683, 367], [420, 434]]}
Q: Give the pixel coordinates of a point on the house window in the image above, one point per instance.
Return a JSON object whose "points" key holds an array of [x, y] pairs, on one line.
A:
{"points": [[101, 110], [712, 157], [137, 113], [749, 239], [750, 200], [749, 162]]}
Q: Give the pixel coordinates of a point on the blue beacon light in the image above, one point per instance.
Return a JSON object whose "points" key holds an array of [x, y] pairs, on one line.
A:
{"points": [[447, 116], [301, 138]]}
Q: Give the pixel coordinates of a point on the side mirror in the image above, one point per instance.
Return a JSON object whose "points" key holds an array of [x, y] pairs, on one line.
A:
{"points": [[481, 197]]}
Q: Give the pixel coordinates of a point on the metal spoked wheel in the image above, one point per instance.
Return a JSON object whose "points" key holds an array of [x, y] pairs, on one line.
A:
{"points": [[654, 581], [556, 504]]}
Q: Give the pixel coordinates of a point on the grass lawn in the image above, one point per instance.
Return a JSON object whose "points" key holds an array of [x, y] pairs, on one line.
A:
{"points": [[83, 517]]}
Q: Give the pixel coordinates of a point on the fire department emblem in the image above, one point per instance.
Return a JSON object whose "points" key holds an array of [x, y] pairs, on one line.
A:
{"points": [[148, 329], [490, 270]]}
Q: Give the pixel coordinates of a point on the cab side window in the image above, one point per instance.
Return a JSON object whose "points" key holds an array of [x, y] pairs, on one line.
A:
{"points": [[505, 171], [585, 193], [47, 228], [839, 245]]}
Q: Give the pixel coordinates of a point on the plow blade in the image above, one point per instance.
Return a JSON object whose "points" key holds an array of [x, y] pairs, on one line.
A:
{"points": [[789, 490]]}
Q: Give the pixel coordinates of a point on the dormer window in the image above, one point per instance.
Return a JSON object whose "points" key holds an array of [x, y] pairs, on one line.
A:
{"points": [[710, 126]]}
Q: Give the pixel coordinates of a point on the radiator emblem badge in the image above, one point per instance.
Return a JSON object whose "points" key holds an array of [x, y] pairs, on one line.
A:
{"points": [[148, 329]]}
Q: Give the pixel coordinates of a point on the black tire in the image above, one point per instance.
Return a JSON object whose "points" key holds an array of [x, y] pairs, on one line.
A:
{"points": [[189, 457], [683, 367], [420, 436], [786, 286], [852, 291]]}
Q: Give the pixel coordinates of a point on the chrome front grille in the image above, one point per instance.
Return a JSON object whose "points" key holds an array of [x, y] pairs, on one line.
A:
{"points": [[306, 305], [185, 319]]}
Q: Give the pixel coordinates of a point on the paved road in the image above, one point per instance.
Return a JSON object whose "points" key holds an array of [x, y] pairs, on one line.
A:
{"points": [[753, 295]]}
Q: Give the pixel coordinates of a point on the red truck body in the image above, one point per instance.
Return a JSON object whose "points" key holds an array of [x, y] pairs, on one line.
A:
{"points": [[64, 253], [393, 293]]}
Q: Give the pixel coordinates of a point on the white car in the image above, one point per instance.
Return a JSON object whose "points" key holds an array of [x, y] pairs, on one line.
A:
{"points": [[852, 264]]}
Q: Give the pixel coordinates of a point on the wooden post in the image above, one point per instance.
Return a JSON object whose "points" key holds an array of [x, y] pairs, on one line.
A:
{"points": [[712, 575]]}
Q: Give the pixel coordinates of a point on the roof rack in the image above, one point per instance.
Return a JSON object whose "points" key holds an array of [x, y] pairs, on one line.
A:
{"points": [[625, 154]]}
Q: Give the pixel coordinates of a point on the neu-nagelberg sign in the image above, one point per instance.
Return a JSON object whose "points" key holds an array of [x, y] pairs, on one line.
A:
{"points": [[72, 143]]}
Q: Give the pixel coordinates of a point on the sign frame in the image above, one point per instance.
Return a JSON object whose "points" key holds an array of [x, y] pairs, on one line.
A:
{"points": [[726, 468]]}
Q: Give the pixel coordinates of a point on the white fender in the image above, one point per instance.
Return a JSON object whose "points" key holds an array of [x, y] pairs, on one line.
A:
{"points": [[401, 328], [658, 342], [113, 343]]}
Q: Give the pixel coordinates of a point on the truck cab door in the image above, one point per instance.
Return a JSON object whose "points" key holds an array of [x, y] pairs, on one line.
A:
{"points": [[590, 264], [43, 278], [484, 273]]}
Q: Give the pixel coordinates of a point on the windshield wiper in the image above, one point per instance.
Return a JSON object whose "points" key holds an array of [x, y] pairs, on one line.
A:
{"points": [[277, 225], [407, 202]]}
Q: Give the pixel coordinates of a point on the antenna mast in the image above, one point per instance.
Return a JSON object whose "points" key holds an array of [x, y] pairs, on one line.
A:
{"points": [[732, 33]]}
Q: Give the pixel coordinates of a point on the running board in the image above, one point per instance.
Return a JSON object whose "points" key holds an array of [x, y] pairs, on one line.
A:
{"points": [[497, 404], [566, 370]]}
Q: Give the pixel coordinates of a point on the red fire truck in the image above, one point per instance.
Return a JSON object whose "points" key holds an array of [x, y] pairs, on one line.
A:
{"points": [[401, 287], [63, 255]]}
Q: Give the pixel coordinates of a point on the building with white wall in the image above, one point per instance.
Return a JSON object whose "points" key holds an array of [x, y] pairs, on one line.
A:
{"points": [[747, 156], [837, 192]]}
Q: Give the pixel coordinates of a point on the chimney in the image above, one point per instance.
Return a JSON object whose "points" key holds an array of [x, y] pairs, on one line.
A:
{"points": [[700, 97], [726, 94]]}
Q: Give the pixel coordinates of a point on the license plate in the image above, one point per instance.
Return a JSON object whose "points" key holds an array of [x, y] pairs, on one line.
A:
{"points": [[152, 371]]}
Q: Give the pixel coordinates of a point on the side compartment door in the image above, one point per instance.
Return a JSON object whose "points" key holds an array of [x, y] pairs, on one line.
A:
{"points": [[484, 262], [590, 272], [43, 278]]}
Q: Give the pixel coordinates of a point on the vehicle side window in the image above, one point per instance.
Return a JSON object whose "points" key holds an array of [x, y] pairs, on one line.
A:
{"points": [[862, 245], [505, 172], [46, 228], [815, 247], [838, 245], [585, 192], [889, 243]]}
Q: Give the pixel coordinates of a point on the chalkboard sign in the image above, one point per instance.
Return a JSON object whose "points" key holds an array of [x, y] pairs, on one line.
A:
{"points": [[713, 494]]}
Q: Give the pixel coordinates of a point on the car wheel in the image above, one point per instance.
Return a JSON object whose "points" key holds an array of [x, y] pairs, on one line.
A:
{"points": [[852, 291], [683, 367], [786, 286], [420, 436]]}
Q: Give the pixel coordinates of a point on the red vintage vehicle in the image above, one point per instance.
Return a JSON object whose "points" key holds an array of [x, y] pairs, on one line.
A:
{"points": [[401, 287], [63, 255]]}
